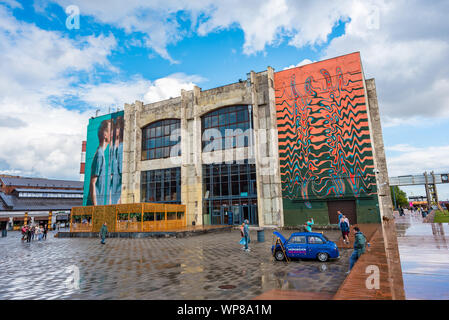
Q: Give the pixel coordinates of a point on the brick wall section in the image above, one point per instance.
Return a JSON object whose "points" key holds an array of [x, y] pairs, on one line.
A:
{"points": [[384, 254]]}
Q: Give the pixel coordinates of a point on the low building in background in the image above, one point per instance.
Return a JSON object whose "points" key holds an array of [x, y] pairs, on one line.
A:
{"points": [[35, 200], [275, 148]]}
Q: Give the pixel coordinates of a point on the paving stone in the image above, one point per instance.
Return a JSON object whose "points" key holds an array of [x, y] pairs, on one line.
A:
{"points": [[158, 268]]}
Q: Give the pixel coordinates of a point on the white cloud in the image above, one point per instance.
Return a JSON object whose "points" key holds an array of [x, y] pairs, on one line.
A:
{"points": [[38, 138], [11, 3], [403, 46], [263, 22], [415, 160], [116, 94], [170, 87], [302, 63]]}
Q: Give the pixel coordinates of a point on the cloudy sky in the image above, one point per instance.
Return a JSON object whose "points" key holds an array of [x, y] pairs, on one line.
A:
{"points": [[54, 75]]}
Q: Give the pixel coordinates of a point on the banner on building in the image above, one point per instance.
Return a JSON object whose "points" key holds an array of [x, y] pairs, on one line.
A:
{"points": [[104, 154]]}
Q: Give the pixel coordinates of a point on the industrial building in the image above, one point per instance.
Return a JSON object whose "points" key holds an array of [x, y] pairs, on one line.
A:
{"points": [[35, 200], [275, 148]]}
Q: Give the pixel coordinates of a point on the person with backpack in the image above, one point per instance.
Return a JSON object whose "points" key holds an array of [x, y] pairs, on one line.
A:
{"points": [[344, 227], [359, 247]]}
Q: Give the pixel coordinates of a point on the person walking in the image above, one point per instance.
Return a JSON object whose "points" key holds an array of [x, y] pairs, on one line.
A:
{"points": [[344, 227], [242, 236], [308, 225], [103, 233], [33, 231], [24, 232], [28, 233], [340, 215], [359, 247], [45, 231], [246, 235], [37, 233]]}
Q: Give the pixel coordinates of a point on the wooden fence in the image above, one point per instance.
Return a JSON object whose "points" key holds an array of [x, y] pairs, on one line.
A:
{"points": [[136, 217]]}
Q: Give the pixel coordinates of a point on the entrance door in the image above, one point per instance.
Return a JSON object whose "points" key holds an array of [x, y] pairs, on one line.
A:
{"points": [[347, 207], [253, 218], [217, 216], [236, 212], [245, 214], [225, 215]]}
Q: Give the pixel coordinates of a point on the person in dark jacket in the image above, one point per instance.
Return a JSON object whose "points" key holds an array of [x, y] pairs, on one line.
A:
{"points": [[45, 232], [359, 247], [344, 227], [103, 233], [246, 234], [29, 234]]}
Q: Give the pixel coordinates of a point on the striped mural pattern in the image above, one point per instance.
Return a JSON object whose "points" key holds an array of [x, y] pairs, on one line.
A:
{"points": [[324, 140]]}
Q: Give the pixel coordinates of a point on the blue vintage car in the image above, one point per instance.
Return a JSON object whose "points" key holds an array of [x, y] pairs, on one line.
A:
{"points": [[305, 245]]}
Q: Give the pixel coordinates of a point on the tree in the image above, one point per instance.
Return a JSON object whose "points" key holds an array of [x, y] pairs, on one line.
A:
{"points": [[401, 197]]}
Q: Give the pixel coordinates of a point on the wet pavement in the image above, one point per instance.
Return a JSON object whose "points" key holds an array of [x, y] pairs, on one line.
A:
{"points": [[210, 266], [424, 254]]}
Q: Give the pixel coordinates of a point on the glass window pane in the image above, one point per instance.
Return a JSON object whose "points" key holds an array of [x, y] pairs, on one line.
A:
{"points": [[158, 131], [214, 121], [222, 119], [232, 117], [240, 116]]}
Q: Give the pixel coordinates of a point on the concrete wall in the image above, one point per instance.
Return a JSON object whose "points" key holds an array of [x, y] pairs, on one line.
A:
{"points": [[257, 92], [380, 161]]}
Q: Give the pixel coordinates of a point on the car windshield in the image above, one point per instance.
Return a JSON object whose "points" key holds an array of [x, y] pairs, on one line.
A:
{"points": [[325, 238]]}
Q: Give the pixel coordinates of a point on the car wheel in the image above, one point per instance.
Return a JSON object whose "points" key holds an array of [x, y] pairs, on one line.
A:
{"points": [[279, 255], [323, 256]]}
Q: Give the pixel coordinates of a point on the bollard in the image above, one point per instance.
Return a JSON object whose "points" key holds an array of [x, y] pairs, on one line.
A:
{"points": [[261, 235]]}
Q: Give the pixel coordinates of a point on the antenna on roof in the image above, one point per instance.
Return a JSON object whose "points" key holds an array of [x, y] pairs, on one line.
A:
{"points": [[97, 112]]}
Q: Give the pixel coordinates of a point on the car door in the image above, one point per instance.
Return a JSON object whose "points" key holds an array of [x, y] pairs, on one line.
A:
{"points": [[297, 247], [314, 245]]}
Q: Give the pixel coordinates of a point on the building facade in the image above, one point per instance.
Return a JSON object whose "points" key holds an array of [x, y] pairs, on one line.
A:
{"points": [[276, 149], [36, 200]]}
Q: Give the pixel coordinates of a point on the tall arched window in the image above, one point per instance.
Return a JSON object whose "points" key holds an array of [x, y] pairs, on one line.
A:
{"points": [[228, 125], [160, 138]]}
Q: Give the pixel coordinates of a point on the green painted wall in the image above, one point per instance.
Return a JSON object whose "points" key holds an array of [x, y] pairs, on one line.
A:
{"points": [[296, 213]]}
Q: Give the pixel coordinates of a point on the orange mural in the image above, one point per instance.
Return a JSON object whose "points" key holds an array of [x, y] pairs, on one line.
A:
{"points": [[324, 140]]}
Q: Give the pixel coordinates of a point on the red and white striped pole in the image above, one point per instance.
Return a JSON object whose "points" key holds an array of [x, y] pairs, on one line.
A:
{"points": [[83, 161]]}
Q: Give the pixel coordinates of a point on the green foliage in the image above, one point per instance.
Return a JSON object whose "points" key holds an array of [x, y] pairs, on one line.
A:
{"points": [[401, 197], [441, 216]]}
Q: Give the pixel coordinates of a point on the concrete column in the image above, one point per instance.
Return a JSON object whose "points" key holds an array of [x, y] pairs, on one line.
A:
{"points": [[426, 185], [128, 154], [191, 168], [380, 162], [276, 183], [255, 111]]}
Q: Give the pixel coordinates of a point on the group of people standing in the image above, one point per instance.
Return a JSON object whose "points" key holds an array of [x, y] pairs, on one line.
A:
{"points": [[34, 232], [413, 209]]}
